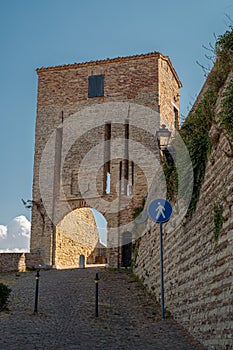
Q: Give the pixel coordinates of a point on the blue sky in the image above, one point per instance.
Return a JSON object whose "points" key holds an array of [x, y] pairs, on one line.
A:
{"points": [[52, 32]]}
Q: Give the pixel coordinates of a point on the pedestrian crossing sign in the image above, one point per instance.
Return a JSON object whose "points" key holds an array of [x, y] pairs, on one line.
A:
{"points": [[160, 210]]}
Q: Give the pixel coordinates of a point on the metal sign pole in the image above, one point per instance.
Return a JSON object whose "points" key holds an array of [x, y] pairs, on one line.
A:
{"points": [[161, 269], [160, 210]]}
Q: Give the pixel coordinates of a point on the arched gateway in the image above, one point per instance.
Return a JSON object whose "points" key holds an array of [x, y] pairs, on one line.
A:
{"points": [[96, 148]]}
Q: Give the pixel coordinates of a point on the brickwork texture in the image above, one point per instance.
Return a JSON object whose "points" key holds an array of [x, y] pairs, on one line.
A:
{"points": [[148, 80], [198, 275]]}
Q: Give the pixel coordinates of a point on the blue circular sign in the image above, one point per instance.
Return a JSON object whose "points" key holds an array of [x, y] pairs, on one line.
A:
{"points": [[160, 210]]}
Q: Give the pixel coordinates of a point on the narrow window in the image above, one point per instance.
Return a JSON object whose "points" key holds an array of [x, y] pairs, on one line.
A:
{"points": [[132, 174], [107, 145], [120, 174], [108, 184], [130, 181], [176, 118], [128, 190], [127, 129], [96, 86], [126, 160], [107, 131], [107, 154], [120, 177]]}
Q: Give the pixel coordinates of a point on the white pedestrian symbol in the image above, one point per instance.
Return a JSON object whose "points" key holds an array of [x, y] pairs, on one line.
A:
{"points": [[160, 211]]}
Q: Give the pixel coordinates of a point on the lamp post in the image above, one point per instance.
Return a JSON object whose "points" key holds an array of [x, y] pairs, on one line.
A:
{"points": [[163, 136], [37, 291]]}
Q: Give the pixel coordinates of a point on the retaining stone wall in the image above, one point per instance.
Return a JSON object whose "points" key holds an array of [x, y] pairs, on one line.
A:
{"points": [[12, 262], [197, 271]]}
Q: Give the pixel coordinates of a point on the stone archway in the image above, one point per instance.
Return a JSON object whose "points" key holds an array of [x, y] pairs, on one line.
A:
{"points": [[76, 234]]}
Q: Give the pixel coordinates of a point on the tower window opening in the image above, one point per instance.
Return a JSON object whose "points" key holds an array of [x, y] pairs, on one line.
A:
{"points": [[126, 160], [108, 184], [107, 161], [176, 118]]}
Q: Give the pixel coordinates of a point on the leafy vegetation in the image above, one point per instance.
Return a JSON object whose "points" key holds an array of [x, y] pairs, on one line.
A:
{"points": [[226, 113], [195, 130], [225, 41], [135, 249], [4, 296], [171, 177], [195, 133], [138, 210]]}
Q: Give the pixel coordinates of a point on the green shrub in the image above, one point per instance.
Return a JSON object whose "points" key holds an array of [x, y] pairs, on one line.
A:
{"points": [[195, 129], [227, 110], [195, 133], [225, 41], [138, 210], [4, 295], [171, 176]]}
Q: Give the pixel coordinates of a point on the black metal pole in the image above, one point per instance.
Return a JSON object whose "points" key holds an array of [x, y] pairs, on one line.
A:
{"points": [[161, 269], [37, 291], [96, 295]]}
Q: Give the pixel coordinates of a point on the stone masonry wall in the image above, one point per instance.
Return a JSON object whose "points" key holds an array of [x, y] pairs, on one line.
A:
{"points": [[76, 234], [12, 262], [169, 96], [63, 92], [197, 271]]}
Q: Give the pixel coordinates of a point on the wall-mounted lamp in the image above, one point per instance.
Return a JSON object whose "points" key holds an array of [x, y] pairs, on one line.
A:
{"points": [[163, 136]]}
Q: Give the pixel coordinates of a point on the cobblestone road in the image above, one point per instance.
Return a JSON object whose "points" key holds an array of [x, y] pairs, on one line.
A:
{"points": [[128, 317]]}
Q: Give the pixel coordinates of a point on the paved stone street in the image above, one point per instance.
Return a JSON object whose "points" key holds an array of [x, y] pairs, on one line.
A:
{"points": [[128, 316]]}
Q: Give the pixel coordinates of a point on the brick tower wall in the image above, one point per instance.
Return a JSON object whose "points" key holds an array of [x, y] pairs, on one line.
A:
{"points": [[148, 80]]}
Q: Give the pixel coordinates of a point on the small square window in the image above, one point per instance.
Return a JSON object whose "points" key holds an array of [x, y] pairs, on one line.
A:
{"points": [[96, 85]]}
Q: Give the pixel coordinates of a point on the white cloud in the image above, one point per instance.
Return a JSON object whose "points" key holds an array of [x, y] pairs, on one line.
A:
{"points": [[15, 237], [3, 232]]}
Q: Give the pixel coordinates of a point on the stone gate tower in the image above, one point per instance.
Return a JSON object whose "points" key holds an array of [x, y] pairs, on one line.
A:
{"points": [[77, 109]]}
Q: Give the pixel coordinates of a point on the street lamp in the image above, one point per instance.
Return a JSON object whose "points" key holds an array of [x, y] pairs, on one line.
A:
{"points": [[163, 136]]}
